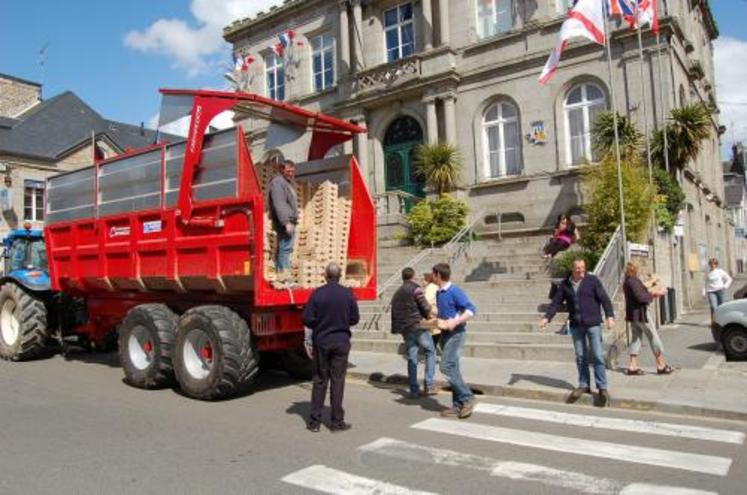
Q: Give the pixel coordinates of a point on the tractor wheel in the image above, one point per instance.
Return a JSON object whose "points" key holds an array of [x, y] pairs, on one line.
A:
{"points": [[23, 324], [297, 364], [214, 356], [146, 343], [734, 340]]}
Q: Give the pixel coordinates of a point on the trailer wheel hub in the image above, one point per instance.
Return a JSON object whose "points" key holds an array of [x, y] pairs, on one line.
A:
{"points": [[9, 323], [197, 354], [140, 348]]}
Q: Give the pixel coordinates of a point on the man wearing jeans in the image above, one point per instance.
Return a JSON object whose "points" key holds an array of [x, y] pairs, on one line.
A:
{"points": [[584, 294], [454, 309], [284, 214], [409, 308]]}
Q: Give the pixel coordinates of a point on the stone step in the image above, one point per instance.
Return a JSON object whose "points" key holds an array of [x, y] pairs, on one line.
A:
{"points": [[385, 323], [533, 352], [483, 316], [546, 337]]}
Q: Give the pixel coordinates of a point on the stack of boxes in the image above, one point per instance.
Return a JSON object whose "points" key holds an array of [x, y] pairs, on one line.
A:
{"points": [[321, 233]]}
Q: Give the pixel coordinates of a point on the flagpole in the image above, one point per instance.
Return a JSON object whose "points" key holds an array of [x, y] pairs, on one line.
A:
{"points": [[608, 44], [645, 103], [663, 103]]}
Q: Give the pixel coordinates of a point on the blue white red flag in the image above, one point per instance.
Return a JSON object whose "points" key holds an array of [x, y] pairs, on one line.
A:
{"points": [[585, 20], [625, 9]]}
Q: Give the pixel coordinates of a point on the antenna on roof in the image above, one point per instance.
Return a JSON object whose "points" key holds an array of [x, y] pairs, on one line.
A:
{"points": [[42, 61]]}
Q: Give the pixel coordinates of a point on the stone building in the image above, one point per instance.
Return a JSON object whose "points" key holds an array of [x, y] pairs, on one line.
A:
{"points": [[40, 138], [465, 72]]}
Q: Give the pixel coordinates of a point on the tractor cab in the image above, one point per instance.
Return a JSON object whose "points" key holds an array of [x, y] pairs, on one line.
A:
{"points": [[25, 258]]}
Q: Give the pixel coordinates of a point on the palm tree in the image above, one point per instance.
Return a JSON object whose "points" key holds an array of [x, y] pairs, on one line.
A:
{"points": [[440, 165], [603, 135], [688, 127]]}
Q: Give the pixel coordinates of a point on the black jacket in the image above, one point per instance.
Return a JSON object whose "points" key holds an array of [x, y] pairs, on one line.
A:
{"points": [[409, 307], [583, 307], [330, 313], [637, 298]]}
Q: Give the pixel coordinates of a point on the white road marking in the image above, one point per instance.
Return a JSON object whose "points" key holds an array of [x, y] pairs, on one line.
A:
{"points": [[631, 425], [579, 446], [646, 489], [503, 469], [556, 478], [327, 480]]}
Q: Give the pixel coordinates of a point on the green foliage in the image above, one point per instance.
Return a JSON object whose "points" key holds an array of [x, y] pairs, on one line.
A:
{"points": [[672, 198], [437, 221], [603, 134], [603, 209], [687, 128], [563, 263], [440, 165]]}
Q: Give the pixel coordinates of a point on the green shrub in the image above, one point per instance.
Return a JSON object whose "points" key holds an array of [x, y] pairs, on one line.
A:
{"points": [[437, 221], [563, 263]]}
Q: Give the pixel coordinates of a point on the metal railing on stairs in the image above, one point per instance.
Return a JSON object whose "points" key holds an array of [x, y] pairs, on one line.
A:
{"points": [[611, 265], [459, 245]]}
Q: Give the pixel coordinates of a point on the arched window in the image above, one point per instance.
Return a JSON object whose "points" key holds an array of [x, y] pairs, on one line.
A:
{"points": [[501, 140], [582, 105], [275, 77]]}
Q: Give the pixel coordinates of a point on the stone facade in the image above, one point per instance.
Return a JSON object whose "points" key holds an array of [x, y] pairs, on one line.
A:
{"points": [[459, 69], [17, 95]]}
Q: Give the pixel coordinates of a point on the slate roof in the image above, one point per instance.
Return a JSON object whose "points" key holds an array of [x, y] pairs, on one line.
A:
{"points": [[54, 127]]}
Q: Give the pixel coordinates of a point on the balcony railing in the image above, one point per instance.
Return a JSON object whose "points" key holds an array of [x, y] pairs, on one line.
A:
{"points": [[387, 75]]}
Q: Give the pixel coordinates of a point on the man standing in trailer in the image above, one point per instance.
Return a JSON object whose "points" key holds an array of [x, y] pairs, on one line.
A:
{"points": [[284, 214]]}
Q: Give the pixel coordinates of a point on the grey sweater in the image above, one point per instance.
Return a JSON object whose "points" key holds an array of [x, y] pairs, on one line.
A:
{"points": [[283, 203]]}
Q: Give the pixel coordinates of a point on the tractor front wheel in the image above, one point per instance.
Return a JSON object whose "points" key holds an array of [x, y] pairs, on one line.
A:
{"points": [[23, 324], [214, 357]]}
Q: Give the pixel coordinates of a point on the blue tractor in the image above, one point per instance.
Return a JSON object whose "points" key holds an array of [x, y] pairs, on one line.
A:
{"points": [[25, 295]]}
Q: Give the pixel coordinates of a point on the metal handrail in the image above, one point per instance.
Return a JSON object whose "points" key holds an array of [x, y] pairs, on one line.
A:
{"points": [[415, 260], [609, 269]]}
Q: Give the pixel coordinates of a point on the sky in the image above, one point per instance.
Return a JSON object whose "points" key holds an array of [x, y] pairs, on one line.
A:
{"points": [[116, 55]]}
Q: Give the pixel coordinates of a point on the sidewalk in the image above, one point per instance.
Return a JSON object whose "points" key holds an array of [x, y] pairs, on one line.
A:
{"points": [[703, 385]]}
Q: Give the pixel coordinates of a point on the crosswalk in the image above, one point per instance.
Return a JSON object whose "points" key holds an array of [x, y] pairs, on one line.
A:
{"points": [[548, 479]]}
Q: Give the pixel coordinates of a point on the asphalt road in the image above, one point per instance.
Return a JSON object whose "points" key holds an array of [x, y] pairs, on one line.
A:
{"points": [[74, 427]]}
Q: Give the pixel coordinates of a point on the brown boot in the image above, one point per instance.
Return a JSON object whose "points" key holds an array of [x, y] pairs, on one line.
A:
{"points": [[466, 410], [604, 398], [577, 393], [451, 412]]}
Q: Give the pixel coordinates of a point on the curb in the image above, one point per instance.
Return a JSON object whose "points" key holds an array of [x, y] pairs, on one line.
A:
{"points": [[378, 378]]}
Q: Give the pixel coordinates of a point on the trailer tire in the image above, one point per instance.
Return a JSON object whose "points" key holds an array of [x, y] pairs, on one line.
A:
{"points": [[23, 324], [146, 343], [214, 357]]}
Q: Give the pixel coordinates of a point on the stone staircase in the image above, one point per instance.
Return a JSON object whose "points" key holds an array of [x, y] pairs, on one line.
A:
{"points": [[506, 279]]}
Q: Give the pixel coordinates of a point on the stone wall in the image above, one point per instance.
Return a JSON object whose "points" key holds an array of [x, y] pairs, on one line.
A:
{"points": [[16, 96]]}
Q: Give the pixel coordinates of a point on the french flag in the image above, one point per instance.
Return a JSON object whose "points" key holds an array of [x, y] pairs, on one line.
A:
{"points": [[585, 20], [242, 63], [623, 8]]}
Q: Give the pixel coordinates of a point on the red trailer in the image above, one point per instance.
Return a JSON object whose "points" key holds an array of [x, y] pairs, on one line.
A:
{"points": [[165, 245]]}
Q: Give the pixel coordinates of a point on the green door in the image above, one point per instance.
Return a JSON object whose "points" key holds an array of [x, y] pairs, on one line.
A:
{"points": [[402, 139]]}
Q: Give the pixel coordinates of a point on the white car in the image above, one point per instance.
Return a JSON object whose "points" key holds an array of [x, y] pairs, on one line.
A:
{"points": [[729, 328]]}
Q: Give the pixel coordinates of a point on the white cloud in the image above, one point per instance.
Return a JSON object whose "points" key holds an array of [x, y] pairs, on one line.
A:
{"points": [[191, 45], [731, 89]]}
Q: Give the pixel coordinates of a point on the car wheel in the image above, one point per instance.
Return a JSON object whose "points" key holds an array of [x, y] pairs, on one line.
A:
{"points": [[734, 340]]}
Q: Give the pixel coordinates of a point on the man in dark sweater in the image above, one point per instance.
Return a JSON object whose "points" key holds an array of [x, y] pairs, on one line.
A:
{"points": [[329, 314], [409, 308], [583, 294]]}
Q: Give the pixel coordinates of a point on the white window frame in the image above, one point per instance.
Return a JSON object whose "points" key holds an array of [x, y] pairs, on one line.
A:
{"points": [[585, 104], [36, 193], [399, 27], [332, 48], [494, 15], [501, 124], [278, 64]]}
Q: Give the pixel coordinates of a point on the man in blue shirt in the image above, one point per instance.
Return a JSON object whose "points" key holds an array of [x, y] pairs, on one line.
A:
{"points": [[454, 309]]}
